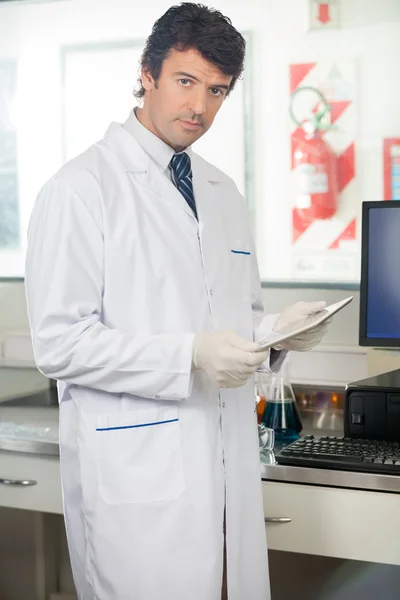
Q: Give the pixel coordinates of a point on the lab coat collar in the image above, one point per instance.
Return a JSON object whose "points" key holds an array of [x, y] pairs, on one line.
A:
{"points": [[154, 146], [129, 152], [136, 159], [141, 166]]}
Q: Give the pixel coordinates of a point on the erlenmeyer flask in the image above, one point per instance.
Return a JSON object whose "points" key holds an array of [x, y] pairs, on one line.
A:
{"points": [[281, 413]]}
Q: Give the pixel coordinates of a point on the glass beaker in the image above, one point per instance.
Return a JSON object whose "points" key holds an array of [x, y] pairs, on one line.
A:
{"points": [[281, 412]]}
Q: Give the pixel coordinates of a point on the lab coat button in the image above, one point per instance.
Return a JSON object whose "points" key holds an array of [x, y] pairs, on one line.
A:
{"points": [[211, 292], [223, 405]]}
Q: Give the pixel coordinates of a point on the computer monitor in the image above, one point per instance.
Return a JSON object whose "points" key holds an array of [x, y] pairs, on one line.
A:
{"points": [[380, 274]]}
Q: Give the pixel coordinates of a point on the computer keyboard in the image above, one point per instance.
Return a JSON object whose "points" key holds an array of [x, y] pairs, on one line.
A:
{"points": [[345, 454]]}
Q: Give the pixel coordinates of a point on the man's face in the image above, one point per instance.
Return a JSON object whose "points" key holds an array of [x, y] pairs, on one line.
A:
{"points": [[181, 106]]}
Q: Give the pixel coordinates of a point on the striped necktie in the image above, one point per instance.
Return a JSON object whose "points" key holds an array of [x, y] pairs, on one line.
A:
{"points": [[181, 171]]}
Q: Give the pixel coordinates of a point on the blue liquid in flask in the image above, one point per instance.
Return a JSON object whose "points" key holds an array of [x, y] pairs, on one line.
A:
{"points": [[283, 417]]}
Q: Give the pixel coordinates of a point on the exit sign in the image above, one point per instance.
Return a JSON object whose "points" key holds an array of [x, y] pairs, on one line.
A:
{"points": [[323, 14]]}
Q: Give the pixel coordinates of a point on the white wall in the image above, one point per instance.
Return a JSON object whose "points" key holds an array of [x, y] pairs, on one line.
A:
{"points": [[370, 29], [13, 315], [336, 362]]}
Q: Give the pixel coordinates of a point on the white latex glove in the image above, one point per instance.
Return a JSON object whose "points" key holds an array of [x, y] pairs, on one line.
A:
{"points": [[228, 359], [298, 312]]}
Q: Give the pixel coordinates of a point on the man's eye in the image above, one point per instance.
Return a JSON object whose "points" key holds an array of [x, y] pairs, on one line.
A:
{"points": [[185, 82], [215, 91]]}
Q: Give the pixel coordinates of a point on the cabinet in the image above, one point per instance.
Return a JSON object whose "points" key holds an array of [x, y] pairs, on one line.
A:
{"points": [[30, 541], [333, 522], [42, 488], [337, 523]]}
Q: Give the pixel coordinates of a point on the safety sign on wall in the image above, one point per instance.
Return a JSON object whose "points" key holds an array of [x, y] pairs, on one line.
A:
{"points": [[324, 241], [323, 14]]}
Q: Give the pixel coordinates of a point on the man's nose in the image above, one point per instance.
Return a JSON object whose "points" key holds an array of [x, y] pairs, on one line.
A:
{"points": [[198, 100]]}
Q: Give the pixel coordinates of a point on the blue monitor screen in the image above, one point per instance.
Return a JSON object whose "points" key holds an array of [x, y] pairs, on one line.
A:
{"points": [[383, 287]]}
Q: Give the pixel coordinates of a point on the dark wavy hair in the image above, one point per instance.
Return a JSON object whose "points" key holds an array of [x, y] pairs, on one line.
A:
{"points": [[189, 25]]}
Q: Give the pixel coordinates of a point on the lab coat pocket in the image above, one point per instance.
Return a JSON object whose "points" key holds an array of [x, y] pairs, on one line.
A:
{"points": [[240, 272], [140, 456]]}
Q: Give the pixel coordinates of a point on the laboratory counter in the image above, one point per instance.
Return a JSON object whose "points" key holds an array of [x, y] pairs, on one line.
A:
{"points": [[29, 424]]}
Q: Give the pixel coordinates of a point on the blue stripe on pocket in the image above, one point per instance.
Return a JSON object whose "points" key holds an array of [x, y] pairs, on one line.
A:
{"points": [[240, 252], [135, 426]]}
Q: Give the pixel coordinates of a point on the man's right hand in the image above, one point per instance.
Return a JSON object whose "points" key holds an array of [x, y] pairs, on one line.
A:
{"points": [[228, 359]]}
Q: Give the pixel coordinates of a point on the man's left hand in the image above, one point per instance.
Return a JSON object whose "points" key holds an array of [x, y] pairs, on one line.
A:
{"points": [[297, 313]]}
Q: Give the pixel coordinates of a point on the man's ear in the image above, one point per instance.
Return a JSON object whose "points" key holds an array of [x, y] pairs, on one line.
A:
{"points": [[147, 80]]}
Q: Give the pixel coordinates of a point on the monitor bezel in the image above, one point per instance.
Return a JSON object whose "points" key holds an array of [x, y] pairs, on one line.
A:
{"points": [[363, 340]]}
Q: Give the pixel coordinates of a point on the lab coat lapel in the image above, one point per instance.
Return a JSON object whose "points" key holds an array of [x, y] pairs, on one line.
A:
{"points": [[138, 163], [158, 182], [208, 187]]}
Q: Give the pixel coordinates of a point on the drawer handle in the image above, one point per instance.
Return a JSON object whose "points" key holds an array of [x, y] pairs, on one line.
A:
{"points": [[278, 520], [18, 482]]}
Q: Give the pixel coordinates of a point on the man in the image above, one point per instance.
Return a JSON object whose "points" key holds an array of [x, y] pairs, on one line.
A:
{"points": [[144, 302]]}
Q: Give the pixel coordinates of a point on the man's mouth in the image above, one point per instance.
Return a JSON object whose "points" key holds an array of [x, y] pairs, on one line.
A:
{"points": [[190, 124]]}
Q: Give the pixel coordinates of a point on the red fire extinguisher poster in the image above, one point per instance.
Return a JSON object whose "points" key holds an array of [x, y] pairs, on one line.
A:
{"points": [[314, 162], [324, 199]]}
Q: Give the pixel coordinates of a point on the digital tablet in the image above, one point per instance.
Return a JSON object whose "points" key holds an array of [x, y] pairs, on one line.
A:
{"points": [[294, 329]]}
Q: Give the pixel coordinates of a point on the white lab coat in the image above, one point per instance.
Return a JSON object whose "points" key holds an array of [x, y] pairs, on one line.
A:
{"points": [[119, 277]]}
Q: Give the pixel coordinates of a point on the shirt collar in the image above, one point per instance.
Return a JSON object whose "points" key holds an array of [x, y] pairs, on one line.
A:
{"points": [[155, 147]]}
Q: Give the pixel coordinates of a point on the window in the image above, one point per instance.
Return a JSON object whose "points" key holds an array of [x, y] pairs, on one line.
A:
{"points": [[9, 196]]}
